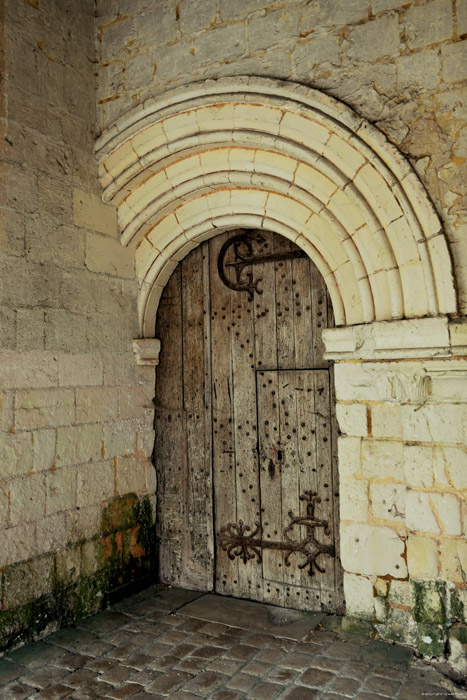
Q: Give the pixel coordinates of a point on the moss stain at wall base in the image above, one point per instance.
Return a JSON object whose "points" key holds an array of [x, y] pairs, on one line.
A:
{"points": [[122, 559]]}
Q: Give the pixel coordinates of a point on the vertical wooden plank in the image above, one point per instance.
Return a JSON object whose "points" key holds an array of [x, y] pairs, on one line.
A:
{"points": [[270, 477], [324, 471], [242, 343], [302, 313], [289, 386], [170, 436], [207, 401], [223, 441], [197, 481], [284, 306]]}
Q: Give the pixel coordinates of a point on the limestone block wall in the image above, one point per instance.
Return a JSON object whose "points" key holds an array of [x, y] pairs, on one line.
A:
{"points": [[402, 413], [76, 483], [396, 62]]}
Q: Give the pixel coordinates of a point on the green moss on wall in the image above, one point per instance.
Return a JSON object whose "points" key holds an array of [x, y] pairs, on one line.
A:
{"points": [[121, 558]]}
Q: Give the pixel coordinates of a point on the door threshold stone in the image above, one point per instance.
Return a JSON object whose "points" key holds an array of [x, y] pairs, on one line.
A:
{"points": [[249, 615]]}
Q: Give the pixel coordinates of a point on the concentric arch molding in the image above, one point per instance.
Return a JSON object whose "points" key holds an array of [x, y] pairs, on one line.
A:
{"points": [[276, 155]]}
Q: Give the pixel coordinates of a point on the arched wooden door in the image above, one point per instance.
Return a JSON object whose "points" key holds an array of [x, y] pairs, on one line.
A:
{"points": [[245, 429]]}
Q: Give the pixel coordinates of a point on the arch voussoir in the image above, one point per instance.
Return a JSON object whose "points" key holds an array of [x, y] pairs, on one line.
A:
{"points": [[283, 157]]}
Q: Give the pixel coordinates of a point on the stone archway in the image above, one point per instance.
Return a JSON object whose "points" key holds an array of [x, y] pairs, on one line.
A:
{"points": [[250, 152]]}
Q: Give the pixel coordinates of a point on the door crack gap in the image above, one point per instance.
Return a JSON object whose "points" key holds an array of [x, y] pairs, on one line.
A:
{"points": [[188, 602]]}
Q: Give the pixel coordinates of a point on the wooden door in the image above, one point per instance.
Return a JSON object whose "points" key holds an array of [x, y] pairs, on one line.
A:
{"points": [[245, 429]]}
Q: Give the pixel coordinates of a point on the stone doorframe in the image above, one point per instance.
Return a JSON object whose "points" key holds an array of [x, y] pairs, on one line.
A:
{"points": [[261, 153]]}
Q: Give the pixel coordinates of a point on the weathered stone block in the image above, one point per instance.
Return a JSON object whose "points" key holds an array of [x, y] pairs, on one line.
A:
{"points": [[358, 593], [174, 60], [388, 501], [51, 533], [28, 370], [421, 68], [419, 512], [61, 489], [367, 549], [43, 449], [386, 420], [18, 543], [157, 18], [455, 460], [194, 17], [429, 605], [352, 419], [131, 475], [349, 456], [91, 557], [145, 442], [78, 444], [418, 465], [96, 483], [433, 423], [96, 404], [78, 292], [454, 559], [135, 401], [120, 369], [83, 524], [381, 609], [30, 329], [320, 14], [229, 10], [354, 500], [6, 410], [422, 557], [108, 256], [399, 627], [374, 39], [400, 593], [16, 454], [382, 459], [90, 212], [27, 498], [120, 438], [458, 649], [428, 24], [80, 370], [447, 507], [461, 16], [457, 603], [28, 581], [225, 43], [57, 245], [453, 56], [266, 30], [67, 566], [65, 331]]}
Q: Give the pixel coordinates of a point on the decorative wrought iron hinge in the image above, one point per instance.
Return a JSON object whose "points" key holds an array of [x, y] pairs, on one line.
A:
{"points": [[235, 540], [244, 257]]}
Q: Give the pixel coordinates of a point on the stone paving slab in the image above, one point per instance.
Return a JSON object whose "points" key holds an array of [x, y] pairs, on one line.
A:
{"points": [[290, 624], [183, 645]]}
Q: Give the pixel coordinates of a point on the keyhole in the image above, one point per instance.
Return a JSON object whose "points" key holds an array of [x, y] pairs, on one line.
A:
{"points": [[271, 469], [279, 455]]}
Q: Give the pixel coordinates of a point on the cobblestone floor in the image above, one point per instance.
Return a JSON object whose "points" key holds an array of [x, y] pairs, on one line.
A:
{"points": [[183, 645]]}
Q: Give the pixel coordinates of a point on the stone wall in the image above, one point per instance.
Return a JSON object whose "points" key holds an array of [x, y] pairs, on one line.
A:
{"points": [[76, 483], [397, 62], [402, 411]]}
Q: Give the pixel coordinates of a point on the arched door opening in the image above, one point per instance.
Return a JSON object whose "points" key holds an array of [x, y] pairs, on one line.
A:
{"points": [[245, 425]]}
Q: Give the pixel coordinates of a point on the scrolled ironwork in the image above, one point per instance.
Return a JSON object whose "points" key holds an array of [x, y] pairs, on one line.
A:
{"points": [[235, 540]]}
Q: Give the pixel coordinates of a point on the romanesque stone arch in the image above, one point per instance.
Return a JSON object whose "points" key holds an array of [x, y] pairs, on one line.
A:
{"points": [[262, 153]]}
